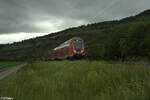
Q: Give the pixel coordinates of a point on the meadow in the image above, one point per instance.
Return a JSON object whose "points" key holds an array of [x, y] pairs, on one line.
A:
{"points": [[79, 80], [6, 65]]}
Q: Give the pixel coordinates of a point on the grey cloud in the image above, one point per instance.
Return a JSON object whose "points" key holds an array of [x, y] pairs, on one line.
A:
{"points": [[22, 15]]}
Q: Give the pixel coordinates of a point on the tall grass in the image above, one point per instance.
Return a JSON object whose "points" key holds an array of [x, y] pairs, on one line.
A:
{"points": [[7, 65], [78, 80]]}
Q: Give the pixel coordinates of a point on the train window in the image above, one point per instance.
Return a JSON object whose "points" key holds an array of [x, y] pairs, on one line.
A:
{"points": [[77, 41], [77, 45]]}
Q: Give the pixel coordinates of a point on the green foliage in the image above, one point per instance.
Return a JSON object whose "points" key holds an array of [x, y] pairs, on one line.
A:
{"points": [[30, 62], [123, 48], [96, 52], [132, 44], [149, 55], [79, 80], [6, 65], [137, 40]]}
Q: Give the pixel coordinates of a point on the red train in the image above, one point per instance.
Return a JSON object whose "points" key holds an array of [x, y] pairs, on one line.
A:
{"points": [[73, 48]]}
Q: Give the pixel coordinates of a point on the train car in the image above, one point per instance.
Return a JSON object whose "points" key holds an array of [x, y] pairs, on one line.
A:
{"points": [[73, 48]]}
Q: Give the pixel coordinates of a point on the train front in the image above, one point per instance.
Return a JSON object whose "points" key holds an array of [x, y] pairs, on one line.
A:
{"points": [[78, 47]]}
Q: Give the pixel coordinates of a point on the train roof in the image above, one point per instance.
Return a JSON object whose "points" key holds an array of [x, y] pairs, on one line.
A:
{"points": [[75, 38], [61, 45]]}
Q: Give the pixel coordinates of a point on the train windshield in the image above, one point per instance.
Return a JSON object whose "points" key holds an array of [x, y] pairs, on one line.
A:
{"points": [[77, 45]]}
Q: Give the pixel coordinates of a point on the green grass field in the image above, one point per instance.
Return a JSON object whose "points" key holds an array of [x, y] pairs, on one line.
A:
{"points": [[6, 65], [79, 80]]}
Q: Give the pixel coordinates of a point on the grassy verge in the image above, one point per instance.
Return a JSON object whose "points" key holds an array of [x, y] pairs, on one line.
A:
{"points": [[78, 80], [6, 65]]}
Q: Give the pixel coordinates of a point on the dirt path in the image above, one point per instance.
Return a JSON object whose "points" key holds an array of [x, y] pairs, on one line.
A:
{"points": [[11, 70]]}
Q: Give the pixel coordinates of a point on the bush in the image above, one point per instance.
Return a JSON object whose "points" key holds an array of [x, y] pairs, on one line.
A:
{"points": [[30, 62]]}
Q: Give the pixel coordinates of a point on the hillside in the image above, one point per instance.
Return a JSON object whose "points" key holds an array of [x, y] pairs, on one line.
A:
{"points": [[111, 40]]}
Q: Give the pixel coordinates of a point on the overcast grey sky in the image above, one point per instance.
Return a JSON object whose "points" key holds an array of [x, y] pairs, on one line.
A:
{"points": [[23, 19]]}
